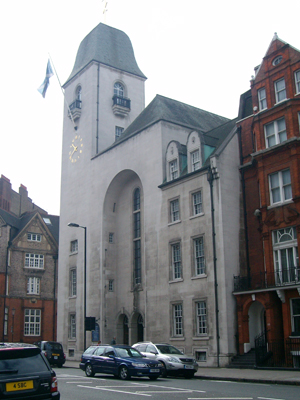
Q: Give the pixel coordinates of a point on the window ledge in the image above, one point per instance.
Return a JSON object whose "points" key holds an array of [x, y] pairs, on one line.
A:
{"points": [[176, 280], [72, 254], [199, 276], [197, 215], [280, 102], [177, 338], [283, 203], [175, 222], [201, 337]]}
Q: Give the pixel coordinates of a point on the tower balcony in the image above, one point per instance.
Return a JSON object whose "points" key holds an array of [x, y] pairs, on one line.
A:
{"points": [[121, 106], [75, 109]]}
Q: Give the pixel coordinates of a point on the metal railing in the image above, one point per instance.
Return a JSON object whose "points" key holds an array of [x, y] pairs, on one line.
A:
{"points": [[264, 280], [75, 104], [121, 101]]}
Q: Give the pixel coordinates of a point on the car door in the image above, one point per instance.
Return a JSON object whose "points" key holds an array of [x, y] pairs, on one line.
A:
{"points": [[97, 359], [108, 361], [150, 352]]}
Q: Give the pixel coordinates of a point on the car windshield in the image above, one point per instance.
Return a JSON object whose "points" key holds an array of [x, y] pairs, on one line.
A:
{"points": [[53, 346], [127, 352], [167, 349], [21, 362]]}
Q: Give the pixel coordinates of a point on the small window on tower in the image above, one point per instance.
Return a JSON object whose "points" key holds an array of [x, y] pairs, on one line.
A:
{"points": [[118, 132]]}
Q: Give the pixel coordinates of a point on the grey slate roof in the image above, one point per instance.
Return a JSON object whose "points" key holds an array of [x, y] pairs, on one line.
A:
{"points": [[10, 219], [163, 108], [108, 46]]}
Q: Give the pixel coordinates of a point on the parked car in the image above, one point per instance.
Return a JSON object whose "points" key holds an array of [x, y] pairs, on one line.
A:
{"points": [[174, 362], [119, 360], [53, 351], [25, 373]]}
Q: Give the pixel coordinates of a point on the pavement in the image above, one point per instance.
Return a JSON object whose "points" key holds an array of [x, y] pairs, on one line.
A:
{"points": [[257, 375]]}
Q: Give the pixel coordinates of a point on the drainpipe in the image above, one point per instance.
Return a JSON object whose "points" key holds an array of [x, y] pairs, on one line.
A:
{"points": [[97, 121], [210, 178], [54, 298], [5, 285]]}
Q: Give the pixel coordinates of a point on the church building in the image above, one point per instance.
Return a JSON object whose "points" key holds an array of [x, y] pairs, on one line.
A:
{"points": [[150, 212]]}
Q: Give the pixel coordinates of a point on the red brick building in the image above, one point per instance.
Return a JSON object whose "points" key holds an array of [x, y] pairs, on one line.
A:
{"points": [[28, 268], [268, 288]]}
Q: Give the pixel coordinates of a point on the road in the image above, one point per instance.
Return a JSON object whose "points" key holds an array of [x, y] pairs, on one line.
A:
{"points": [[74, 385]]}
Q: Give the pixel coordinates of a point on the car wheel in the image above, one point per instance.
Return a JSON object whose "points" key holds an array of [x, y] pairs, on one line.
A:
{"points": [[89, 370], [153, 378], [164, 370], [124, 373], [189, 375]]}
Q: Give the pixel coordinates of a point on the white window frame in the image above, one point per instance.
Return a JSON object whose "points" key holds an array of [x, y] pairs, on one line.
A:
{"points": [[199, 256], [277, 134], [72, 326], [173, 169], [262, 99], [285, 251], [73, 282], [293, 316], [201, 318], [197, 203], [297, 81], [195, 160], [74, 246], [177, 311], [174, 211], [118, 131], [34, 237], [118, 89], [33, 285], [282, 189], [33, 260], [280, 92], [176, 261], [32, 322]]}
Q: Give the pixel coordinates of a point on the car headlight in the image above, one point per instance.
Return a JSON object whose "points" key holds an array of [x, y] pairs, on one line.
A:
{"points": [[173, 359], [139, 365]]}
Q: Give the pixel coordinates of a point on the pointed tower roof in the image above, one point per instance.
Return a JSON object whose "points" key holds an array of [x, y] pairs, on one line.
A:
{"points": [[108, 46]]}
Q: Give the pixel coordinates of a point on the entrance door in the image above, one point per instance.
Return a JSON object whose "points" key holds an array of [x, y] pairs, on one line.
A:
{"points": [[256, 321]]}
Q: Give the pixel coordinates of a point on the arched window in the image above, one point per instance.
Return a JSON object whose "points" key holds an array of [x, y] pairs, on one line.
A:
{"points": [[137, 236], [78, 93], [118, 89]]}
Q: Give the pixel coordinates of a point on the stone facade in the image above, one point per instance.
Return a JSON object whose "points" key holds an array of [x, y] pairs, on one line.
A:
{"points": [[135, 198]]}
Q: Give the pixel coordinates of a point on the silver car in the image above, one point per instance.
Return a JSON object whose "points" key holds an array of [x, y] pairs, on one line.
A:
{"points": [[174, 361]]}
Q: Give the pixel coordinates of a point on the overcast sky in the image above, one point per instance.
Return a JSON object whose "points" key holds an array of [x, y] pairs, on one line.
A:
{"points": [[198, 52]]}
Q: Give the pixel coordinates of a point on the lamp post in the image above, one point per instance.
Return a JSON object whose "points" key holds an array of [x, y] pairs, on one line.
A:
{"points": [[73, 225], [13, 323]]}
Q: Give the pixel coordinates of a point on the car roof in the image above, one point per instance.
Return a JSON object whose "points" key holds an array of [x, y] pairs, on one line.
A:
{"points": [[7, 345]]}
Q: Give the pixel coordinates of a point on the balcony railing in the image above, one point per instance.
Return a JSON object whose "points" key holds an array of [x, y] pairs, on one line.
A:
{"points": [[75, 109], [121, 105], [265, 280]]}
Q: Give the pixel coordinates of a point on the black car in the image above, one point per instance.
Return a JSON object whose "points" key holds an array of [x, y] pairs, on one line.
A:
{"points": [[25, 373], [119, 360], [53, 351]]}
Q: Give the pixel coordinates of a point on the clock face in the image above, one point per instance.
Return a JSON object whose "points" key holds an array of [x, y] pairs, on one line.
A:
{"points": [[75, 149]]}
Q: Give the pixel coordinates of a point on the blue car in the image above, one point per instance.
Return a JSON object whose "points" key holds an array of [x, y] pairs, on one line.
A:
{"points": [[119, 360]]}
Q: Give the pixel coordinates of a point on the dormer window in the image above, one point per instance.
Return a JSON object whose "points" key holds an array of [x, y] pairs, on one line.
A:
{"points": [[280, 91], [173, 166], [195, 160]]}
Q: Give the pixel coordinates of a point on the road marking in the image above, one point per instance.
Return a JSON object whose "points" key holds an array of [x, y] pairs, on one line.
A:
{"points": [[117, 391], [220, 398], [268, 398], [165, 391]]}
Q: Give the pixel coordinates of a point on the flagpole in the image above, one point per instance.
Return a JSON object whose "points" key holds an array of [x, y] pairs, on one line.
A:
{"points": [[70, 113]]}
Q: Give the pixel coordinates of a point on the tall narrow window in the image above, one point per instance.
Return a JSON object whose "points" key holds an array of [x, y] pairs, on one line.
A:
{"points": [[33, 285], [73, 282], [197, 203], [262, 100], [280, 91], [174, 210], [195, 156], [118, 89], [32, 323], [297, 81], [286, 260], [72, 326], [118, 132], [177, 320], [201, 318], [74, 246], [176, 261], [199, 256], [137, 236], [280, 187], [78, 93], [173, 170], [295, 316], [6, 321]]}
